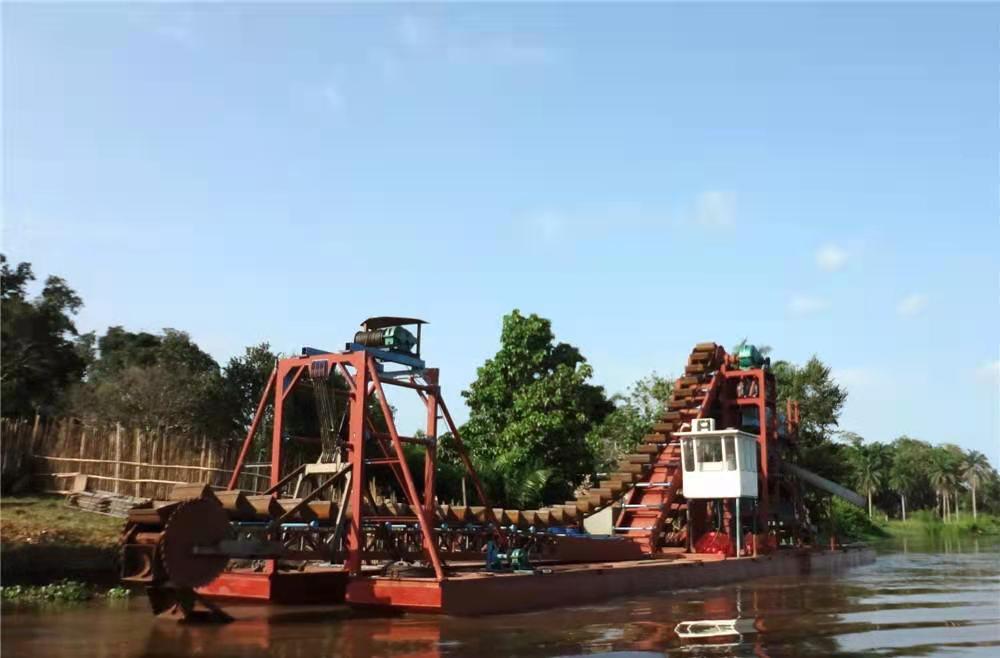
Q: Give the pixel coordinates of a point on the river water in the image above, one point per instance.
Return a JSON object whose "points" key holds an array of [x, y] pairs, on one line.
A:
{"points": [[916, 600]]}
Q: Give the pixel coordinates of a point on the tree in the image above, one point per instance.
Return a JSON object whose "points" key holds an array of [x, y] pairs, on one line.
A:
{"points": [[956, 474], [905, 468], [943, 471], [157, 382], [870, 462], [820, 401], [39, 348], [977, 469], [633, 417], [532, 406], [909, 473], [901, 481], [819, 396], [243, 380]]}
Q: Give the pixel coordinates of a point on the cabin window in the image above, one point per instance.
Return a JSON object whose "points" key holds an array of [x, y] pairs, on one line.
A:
{"points": [[709, 454], [688, 454], [730, 450]]}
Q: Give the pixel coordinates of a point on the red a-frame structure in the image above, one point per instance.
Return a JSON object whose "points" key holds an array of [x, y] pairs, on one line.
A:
{"points": [[366, 373]]}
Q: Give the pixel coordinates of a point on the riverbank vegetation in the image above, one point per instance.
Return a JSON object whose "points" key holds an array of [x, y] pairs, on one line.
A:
{"points": [[63, 591], [908, 474]]}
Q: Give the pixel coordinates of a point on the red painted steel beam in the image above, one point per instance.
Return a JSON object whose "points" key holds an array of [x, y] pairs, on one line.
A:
{"points": [[430, 455], [470, 469], [354, 538], [248, 441], [430, 544]]}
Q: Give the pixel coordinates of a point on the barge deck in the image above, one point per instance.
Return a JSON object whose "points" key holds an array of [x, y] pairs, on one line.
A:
{"points": [[481, 592]]}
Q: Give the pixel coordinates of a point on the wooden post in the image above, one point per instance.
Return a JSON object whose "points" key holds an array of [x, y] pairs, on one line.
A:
{"points": [[34, 432], [83, 448], [155, 472], [118, 457], [138, 459], [209, 463]]}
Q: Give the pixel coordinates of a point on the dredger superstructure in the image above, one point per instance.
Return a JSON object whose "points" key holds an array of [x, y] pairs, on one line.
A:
{"points": [[709, 496]]}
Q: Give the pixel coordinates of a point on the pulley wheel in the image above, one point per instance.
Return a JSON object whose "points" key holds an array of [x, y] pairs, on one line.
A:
{"points": [[199, 522]]}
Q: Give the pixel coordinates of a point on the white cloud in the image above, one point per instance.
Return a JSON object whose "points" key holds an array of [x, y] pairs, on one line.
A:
{"points": [[804, 304], [911, 304], [831, 258], [333, 97], [715, 209]]}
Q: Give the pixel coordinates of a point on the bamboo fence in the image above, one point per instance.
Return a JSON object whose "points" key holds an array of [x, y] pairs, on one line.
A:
{"points": [[116, 459]]}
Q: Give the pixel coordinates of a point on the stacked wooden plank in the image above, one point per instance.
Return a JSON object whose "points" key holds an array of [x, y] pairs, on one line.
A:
{"points": [[104, 502]]}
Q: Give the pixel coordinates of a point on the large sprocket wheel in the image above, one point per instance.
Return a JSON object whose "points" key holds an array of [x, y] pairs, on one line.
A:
{"points": [[200, 522]]}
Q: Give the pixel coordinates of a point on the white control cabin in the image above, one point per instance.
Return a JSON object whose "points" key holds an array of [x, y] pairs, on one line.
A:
{"points": [[718, 463]]}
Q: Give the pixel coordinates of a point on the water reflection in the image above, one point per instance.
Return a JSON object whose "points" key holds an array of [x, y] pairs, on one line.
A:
{"points": [[911, 602]]}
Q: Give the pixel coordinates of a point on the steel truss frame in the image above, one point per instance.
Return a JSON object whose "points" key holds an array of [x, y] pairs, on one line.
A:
{"points": [[362, 370]]}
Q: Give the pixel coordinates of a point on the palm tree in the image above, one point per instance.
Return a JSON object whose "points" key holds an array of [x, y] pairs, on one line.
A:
{"points": [[529, 486], [902, 481], [870, 471], [938, 472], [976, 469]]}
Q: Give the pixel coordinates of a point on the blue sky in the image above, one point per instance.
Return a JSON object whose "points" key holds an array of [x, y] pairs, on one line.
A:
{"points": [[819, 178]]}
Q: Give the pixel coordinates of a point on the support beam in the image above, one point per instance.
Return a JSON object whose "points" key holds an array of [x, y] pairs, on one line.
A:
{"points": [[430, 543]]}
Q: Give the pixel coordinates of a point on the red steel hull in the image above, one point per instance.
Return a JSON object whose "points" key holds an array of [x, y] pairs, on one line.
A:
{"points": [[482, 593], [286, 587]]}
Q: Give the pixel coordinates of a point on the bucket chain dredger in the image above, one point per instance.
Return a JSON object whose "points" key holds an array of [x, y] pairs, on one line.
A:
{"points": [[709, 482]]}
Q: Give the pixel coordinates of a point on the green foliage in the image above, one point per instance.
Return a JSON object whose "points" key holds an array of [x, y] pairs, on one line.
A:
{"points": [[820, 401], [527, 487], [633, 417], [157, 382], [118, 593], [819, 396], [928, 523], [532, 405], [244, 379], [63, 591], [977, 468], [850, 523], [915, 475], [40, 352], [871, 463]]}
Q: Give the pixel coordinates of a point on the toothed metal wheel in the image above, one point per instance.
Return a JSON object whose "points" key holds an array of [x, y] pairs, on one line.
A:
{"points": [[195, 523]]}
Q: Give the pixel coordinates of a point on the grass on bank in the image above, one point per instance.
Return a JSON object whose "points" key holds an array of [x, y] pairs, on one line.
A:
{"points": [[35, 520], [926, 522], [43, 542], [853, 524]]}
